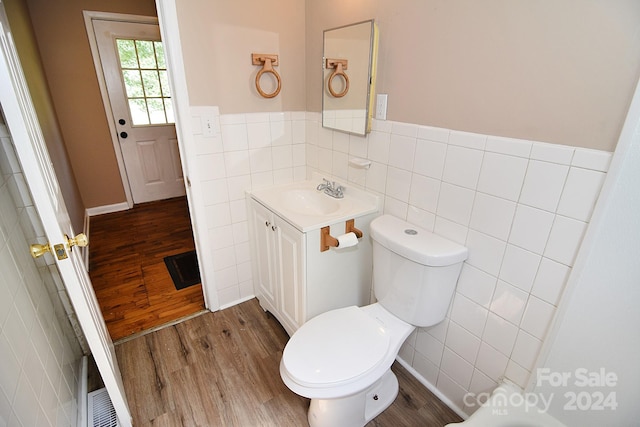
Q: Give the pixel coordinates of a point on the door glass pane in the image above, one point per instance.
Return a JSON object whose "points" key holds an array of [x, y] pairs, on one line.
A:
{"points": [[160, 54], [138, 108], [151, 83], [127, 52], [146, 54], [156, 110], [133, 83], [146, 83]]}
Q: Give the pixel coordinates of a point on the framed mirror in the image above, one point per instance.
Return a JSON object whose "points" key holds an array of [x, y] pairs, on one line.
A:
{"points": [[349, 64]]}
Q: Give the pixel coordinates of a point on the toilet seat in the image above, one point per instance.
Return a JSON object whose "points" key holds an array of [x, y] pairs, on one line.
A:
{"points": [[335, 347]]}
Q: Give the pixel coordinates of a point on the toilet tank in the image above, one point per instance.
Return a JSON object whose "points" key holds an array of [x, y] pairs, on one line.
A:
{"points": [[414, 271]]}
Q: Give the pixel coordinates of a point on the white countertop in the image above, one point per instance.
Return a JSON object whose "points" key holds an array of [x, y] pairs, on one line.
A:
{"points": [[306, 208]]}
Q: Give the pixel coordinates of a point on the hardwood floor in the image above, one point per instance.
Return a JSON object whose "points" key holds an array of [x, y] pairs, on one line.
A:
{"points": [[126, 266], [221, 369]]}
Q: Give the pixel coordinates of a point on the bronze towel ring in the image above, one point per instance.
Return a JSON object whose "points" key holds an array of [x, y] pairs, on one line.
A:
{"points": [[267, 61], [338, 65]]}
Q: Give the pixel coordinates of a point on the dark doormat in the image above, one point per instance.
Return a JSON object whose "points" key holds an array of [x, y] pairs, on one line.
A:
{"points": [[183, 269]]}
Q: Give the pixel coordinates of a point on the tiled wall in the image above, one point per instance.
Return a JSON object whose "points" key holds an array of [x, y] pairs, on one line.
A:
{"points": [[244, 151], [39, 355], [521, 207]]}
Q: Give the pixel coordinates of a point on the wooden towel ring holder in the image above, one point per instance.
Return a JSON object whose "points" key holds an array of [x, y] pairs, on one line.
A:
{"points": [[338, 65], [267, 61]]}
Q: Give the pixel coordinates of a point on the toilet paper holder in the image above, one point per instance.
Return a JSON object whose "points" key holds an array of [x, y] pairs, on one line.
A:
{"points": [[328, 241]]}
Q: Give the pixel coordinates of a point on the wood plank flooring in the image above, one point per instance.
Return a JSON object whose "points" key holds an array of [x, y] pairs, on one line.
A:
{"points": [[221, 369], [126, 266]]}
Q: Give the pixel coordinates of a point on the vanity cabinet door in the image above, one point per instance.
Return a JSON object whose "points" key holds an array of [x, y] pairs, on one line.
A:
{"points": [[265, 282], [291, 275]]}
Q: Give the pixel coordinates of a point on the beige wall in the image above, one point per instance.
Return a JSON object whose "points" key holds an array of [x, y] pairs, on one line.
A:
{"points": [[218, 38], [554, 71], [18, 15], [66, 56]]}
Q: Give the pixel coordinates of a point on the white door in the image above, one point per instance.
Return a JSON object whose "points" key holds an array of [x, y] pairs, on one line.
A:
{"points": [[133, 64], [34, 158]]}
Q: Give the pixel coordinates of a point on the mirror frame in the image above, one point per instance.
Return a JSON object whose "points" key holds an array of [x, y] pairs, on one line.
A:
{"points": [[370, 82]]}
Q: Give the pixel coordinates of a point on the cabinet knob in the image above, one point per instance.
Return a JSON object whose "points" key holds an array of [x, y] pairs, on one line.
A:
{"points": [[267, 223], [273, 227]]}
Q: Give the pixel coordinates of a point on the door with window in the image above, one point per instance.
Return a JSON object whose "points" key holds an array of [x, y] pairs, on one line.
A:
{"points": [[135, 72]]}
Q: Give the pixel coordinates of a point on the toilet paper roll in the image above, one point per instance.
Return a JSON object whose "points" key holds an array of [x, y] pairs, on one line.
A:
{"points": [[347, 240]]}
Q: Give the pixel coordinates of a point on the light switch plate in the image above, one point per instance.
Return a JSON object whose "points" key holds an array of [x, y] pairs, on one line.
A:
{"points": [[381, 106]]}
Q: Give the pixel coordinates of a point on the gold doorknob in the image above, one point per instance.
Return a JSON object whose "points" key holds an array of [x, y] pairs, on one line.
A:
{"points": [[80, 240], [38, 250]]}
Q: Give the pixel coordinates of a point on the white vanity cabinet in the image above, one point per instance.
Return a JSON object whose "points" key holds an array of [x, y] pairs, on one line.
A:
{"points": [[279, 265], [294, 280]]}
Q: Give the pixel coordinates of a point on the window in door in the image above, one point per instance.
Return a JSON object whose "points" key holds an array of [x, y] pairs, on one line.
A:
{"points": [[144, 74]]}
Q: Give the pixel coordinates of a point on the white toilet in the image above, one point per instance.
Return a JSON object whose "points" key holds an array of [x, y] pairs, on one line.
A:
{"points": [[342, 359]]}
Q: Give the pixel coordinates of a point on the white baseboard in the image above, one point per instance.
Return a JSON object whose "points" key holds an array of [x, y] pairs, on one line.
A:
{"points": [[99, 210]]}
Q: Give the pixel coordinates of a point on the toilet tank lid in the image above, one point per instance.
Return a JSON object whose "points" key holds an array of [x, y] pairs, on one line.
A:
{"points": [[415, 243]]}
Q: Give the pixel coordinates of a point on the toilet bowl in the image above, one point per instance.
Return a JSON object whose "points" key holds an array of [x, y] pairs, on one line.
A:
{"points": [[342, 359]]}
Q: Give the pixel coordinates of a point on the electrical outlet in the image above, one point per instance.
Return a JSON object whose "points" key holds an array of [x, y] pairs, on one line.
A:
{"points": [[208, 126], [381, 106]]}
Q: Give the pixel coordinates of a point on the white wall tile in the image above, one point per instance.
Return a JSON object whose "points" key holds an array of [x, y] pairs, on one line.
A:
{"points": [[462, 166], [492, 215], [341, 142], [517, 374], [491, 362], [526, 350], [451, 389], [395, 207], [554, 153], [404, 129], [424, 192], [398, 184], [519, 267], [455, 203], [377, 177], [467, 139], [510, 146], [580, 193], [468, 314], [237, 185], [214, 192], [429, 347], [543, 185], [434, 134], [259, 134], [476, 285], [282, 156], [537, 317], [260, 160], [340, 165], [426, 368], [421, 218], [237, 163], [509, 302], [402, 151], [379, 143], [500, 334], [451, 230], [550, 281], [592, 159], [458, 369], [502, 175], [234, 137], [429, 159], [531, 228], [564, 241], [281, 133], [485, 252], [462, 342]]}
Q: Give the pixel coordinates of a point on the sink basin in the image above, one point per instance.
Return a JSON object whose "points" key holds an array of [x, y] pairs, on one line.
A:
{"points": [[306, 208], [309, 202]]}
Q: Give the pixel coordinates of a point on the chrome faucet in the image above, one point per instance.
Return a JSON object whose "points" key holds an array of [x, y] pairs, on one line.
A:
{"points": [[331, 189]]}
